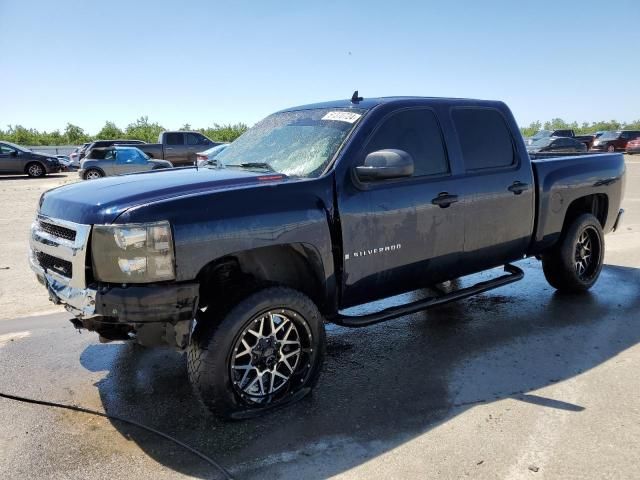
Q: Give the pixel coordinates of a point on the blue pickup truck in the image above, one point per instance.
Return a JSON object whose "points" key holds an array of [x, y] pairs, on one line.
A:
{"points": [[313, 210]]}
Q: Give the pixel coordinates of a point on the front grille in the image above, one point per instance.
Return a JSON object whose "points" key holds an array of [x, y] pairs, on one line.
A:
{"points": [[57, 265], [58, 231]]}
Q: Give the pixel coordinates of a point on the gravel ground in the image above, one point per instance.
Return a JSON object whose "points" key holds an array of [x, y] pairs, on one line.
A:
{"points": [[20, 292]]}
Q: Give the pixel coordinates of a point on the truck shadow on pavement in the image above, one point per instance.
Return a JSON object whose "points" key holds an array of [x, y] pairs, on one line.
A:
{"points": [[384, 385]]}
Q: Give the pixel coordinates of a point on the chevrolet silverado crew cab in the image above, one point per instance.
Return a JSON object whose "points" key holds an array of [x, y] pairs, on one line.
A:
{"points": [[314, 210]]}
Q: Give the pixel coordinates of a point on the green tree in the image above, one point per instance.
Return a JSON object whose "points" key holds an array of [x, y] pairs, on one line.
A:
{"points": [[110, 132], [141, 129], [556, 124], [75, 135], [531, 130], [224, 133]]}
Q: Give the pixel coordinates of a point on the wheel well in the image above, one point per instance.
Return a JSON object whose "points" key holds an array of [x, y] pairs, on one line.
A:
{"points": [[597, 205], [297, 266]]}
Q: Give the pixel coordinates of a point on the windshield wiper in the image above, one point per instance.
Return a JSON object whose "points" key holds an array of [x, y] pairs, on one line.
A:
{"points": [[250, 165]]}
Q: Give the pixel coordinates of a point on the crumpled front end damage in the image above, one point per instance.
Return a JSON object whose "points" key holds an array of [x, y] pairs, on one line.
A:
{"points": [[155, 314]]}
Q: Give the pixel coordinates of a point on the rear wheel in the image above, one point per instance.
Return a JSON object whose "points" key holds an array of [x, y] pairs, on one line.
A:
{"points": [[36, 170], [265, 352], [611, 148], [575, 262], [93, 174]]}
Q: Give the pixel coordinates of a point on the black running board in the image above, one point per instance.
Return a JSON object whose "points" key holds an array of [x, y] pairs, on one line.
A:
{"points": [[513, 275]]}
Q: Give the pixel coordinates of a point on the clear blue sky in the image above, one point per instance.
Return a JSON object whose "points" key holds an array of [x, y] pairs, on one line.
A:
{"points": [[201, 62]]}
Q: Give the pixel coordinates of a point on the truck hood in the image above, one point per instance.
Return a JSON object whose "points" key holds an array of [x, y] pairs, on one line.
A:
{"points": [[102, 201]]}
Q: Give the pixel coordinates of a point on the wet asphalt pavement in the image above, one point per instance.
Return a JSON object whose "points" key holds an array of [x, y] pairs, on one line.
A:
{"points": [[520, 382]]}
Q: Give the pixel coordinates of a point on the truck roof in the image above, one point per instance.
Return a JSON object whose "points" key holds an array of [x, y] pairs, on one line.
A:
{"points": [[369, 103]]}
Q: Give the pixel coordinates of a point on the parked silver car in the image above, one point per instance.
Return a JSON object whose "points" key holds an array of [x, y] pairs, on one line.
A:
{"points": [[103, 162], [209, 156]]}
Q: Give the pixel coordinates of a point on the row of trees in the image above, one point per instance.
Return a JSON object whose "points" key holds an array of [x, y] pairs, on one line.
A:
{"points": [[141, 129], [580, 129]]}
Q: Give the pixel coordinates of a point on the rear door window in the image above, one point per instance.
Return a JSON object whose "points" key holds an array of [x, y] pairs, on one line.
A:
{"points": [[417, 132], [174, 138], [484, 138]]}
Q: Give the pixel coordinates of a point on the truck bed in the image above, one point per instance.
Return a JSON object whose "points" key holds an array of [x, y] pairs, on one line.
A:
{"points": [[561, 179]]}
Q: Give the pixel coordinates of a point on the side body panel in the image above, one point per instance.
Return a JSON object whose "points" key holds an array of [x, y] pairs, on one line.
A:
{"points": [[489, 226], [393, 238], [154, 150], [210, 226], [498, 222], [562, 180], [10, 163]]}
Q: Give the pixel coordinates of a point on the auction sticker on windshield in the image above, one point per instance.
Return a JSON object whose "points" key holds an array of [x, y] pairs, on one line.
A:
{"points": [[349, 117]]}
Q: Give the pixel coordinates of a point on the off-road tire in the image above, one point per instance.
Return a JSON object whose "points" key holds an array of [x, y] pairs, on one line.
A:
{"points": [[209, 355], [560, 265]]}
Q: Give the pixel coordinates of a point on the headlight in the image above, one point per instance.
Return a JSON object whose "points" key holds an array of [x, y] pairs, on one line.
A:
{"points": [[134, 253]]}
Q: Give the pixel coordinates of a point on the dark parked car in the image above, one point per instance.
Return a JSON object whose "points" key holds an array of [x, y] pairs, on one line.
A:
{"points": [[633, 146], [614, 141], [17, 159], [117, 160], [180, 148], [319, 208], [558, 145], [551, 133], [565, 132]]}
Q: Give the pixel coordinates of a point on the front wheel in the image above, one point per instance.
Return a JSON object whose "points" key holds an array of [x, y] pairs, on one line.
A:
{"points": [[93, 174], [265, 352], [611, 149], [574, 264], [36, 170]]}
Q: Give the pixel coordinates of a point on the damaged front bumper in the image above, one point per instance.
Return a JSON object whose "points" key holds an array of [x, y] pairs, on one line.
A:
{"points": [[153, 314]]}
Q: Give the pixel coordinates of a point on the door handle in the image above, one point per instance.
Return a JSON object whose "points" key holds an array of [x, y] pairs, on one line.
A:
{"points": [[443, 200], [518, 187], [168, 148]]}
